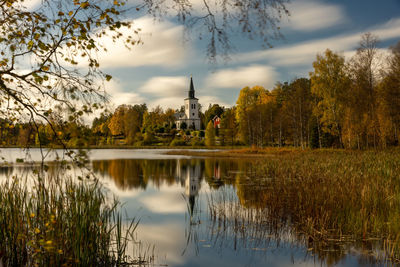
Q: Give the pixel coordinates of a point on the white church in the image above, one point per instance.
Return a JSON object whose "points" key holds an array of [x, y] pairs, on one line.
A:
{"points": [[191, 115]]}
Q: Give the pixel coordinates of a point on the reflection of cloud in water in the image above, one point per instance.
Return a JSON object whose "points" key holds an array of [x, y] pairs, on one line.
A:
{"points": [[167, 200], [107, 154], [169, 239], [110, 184], [34, 154]]}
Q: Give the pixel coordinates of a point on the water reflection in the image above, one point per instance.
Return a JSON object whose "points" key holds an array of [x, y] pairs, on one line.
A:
{"points": [[247, 224], [214, 212]]}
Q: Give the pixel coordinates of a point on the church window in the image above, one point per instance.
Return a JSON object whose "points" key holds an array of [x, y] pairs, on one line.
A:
{"points": [[194, 106], [193, 114]]}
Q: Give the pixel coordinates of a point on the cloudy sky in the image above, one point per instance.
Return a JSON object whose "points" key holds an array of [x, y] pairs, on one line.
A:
{"points": [[158, 71]]}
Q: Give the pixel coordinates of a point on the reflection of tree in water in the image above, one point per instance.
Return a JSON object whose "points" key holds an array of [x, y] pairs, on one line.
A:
{"points": [[6, 171], [137, 173], [125, 173]]}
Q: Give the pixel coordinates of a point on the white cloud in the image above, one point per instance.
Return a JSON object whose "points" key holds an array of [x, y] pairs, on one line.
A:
{"points": [[161, 45], [118, 96], [177, 102], [167, 102], [165, 202], [31, 4], [243, 76], [166, 86], [169, 238], [313, 15], [303, 54], [205, 101]]}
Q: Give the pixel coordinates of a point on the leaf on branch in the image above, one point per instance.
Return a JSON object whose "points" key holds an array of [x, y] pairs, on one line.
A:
{"points": [[85, 4]]}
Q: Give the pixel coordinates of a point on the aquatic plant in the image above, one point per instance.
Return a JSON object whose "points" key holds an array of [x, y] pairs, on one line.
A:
{"points": [[330, 199], [62, 221]]}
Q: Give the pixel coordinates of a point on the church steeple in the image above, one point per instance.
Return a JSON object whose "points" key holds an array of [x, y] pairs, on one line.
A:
{"points": [[191, 91]]}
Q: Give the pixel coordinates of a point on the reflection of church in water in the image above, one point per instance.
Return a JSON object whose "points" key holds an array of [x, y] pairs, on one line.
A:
{"points": [[190, 172]]}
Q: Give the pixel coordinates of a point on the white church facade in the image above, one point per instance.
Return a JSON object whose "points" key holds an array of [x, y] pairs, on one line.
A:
{"points": [[190, 117]]}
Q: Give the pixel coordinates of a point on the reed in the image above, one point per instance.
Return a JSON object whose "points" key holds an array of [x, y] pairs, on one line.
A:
{"points": [[62, 222], [328, 198]]}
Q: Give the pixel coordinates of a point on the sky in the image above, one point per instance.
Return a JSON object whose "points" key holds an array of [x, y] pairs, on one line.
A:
{"points": [[157, 72]]}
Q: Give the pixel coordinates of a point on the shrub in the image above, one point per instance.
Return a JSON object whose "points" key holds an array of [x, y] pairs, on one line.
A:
{"points": [[177, 142]]}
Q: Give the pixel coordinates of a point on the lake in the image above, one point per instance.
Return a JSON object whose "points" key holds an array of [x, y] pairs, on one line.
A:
{"points": [[204, 211]]}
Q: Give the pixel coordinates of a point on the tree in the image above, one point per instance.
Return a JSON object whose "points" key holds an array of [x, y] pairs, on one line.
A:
{"points": [[388, 92], [210, 134], [220, 20], [362, 113], [297, 107], [54, 38], [116, 124], [212, 111], [329, 84], [184, 125], [228, 129], [252, 114], [128, 120]]}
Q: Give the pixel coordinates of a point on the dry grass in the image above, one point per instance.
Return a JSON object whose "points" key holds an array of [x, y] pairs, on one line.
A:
{"points": [[327, 196]]}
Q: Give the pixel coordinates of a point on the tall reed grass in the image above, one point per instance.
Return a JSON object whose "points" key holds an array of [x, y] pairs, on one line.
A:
{"points": [[328, 199], [62, 222]]}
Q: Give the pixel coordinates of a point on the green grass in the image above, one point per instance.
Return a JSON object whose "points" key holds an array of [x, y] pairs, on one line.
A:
{"points": [[61, 222]]}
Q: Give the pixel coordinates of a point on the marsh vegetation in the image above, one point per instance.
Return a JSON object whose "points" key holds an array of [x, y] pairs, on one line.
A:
{"points": [[329, 200], [56, 219]]}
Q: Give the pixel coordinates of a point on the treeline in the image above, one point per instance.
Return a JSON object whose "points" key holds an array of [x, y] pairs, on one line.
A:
{"points": [[352, 103]]}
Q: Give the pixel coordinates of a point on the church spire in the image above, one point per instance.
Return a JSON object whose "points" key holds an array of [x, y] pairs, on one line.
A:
{"points": [[191, 91]]}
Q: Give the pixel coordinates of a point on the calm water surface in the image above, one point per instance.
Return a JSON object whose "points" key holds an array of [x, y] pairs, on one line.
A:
{"points": [[171, 195]]}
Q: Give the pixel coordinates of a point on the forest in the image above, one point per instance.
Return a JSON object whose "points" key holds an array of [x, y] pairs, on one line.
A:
{"points": [[344, 103]]}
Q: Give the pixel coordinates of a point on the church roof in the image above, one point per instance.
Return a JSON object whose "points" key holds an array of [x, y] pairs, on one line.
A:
{"points": [[191, 90], [191, 84]]}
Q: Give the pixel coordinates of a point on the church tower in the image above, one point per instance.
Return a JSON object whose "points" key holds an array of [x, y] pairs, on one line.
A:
{"points": [[192, 108]]}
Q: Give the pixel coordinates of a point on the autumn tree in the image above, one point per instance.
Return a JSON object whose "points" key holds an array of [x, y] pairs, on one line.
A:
{"points": [[128, 120], [100, 130], [280, 93], [329, 84], [388, 92], [169, 118], [154, 120], [211, 112], [40, 52], [362, 121], [228, 130], [252, 114], [210, 134], [298, 104], [133, 122], [116, 123]]}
